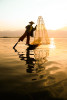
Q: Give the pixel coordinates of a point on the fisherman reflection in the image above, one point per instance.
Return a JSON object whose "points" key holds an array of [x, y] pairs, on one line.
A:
{"points": [[30, 61], [35, 63]]}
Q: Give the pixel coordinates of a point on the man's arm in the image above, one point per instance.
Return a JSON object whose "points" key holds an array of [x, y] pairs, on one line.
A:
{"points": [[34, 28]]}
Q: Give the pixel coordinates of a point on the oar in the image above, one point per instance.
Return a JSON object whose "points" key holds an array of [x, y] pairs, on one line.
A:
{"points": [[15, 45]]}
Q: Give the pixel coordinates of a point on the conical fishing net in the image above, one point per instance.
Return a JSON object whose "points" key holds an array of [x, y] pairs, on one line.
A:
{"points": [[41, 35]]}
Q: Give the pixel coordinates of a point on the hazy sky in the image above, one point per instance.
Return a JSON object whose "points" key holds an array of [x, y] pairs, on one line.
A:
{"points": [[15, 14]]}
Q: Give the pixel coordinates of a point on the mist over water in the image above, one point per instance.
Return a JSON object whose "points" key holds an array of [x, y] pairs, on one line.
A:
{"points": [[27, 71]]}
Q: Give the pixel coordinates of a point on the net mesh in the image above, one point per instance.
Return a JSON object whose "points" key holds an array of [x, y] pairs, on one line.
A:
{"points": [[41, 35]]}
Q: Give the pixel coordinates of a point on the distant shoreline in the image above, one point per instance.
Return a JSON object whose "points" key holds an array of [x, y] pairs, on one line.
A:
{"points": [[9, 37], [19, 37]]}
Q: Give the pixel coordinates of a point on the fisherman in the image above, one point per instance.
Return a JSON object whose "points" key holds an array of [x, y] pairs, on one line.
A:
{"points": [[29, 32]]}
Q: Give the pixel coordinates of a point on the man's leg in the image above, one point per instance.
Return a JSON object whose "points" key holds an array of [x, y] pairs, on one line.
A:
{"points": [[22, 37], [28, 39]]}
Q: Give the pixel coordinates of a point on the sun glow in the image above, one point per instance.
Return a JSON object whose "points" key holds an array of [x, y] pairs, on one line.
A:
{"points": [[52, 44], [16, 14]]}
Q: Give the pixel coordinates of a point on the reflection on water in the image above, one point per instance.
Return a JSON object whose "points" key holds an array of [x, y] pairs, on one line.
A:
{"points": [[37, 68], [52, 43], [41, 58], [34, 59], [36, 56]]}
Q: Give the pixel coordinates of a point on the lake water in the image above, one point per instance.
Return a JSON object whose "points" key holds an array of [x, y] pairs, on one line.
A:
{"points": [[33, 74]]}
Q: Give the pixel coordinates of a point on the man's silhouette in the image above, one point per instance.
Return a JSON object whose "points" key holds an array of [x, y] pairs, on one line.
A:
{"points": [[29, 32]]}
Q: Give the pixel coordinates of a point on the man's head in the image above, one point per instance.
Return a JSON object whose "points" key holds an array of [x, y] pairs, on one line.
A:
{"points": [[31, 22]]}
